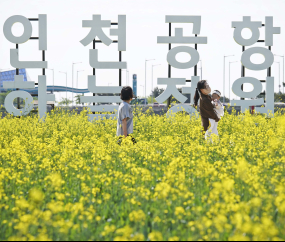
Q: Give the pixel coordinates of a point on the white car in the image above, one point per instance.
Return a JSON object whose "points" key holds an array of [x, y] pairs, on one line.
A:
{"points": [[155, 104]]}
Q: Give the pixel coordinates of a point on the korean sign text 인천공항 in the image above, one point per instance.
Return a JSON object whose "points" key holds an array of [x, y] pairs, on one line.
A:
{"points": [[96, 26]]}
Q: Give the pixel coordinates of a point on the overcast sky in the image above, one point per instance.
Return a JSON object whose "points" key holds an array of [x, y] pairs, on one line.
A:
{"points": [[145, 21]]}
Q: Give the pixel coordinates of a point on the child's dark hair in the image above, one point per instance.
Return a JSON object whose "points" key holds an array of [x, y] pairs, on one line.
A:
{"points": [[200, 85], [217, 92], [127, 93]]}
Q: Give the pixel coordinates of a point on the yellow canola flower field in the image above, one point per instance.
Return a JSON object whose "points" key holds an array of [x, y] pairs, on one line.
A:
{"points": [[68, 179]]}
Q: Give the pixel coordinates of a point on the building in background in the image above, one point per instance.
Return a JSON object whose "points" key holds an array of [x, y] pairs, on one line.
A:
{"points": [[135, 84], [8, 76]]}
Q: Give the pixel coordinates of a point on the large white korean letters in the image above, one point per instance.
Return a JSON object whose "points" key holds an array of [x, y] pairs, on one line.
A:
{"points": [[18, 82], [179, 38], [247, 63], [96, 25]]}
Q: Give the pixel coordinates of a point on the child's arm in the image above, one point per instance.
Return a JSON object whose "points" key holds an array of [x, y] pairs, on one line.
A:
{"points": [[124, 126]]}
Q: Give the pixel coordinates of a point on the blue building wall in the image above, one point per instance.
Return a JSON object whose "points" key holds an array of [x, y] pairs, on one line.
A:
{"points": [[135, 84], [8, 76]]}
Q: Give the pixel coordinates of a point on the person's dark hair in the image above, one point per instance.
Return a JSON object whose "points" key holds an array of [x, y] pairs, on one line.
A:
{"points": [[217, 92], [127, 93], [200, 85]]}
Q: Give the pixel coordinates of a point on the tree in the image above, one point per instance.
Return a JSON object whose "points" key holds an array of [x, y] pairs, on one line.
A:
{"points": [[278, 97], [65, 101], [149, 99], [2, 99], [3, 96], [174, 100], [77, 99], [156, 92], [227, 100]]}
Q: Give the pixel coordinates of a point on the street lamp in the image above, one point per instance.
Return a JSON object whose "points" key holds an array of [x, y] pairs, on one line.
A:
{"points": [[77, 78], [66, 83], [230, 80], [143, 91], [152, 80], [145, 78], [283, 69], [52, 77], [127, 75], [225, 56], [201, 70], [279, 75], [72, 77]]}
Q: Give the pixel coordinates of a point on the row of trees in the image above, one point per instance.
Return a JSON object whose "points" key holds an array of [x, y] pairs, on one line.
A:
{"points": [[15, 102], [278, 97], [157, 91], [66, 101]]}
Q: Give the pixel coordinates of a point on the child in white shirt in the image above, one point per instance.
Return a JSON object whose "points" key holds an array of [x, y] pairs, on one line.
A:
{"points": [[219, 109]]}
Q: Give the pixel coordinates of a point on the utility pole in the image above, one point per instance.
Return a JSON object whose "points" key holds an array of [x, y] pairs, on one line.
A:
{"points": [[279, 76], [77, 78], [225, 56], [66, 84], [283, 70], [52, 78], [152, 80], [72, 78], [145, 79], [230, 80]]}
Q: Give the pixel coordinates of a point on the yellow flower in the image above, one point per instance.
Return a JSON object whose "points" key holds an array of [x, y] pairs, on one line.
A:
{"points": [[155, 236], [175, 238], [138, 237], [179, 210], [56, 180], [137, 216], [108, 229], [36, 195], [61, 177], [157, 219]]}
